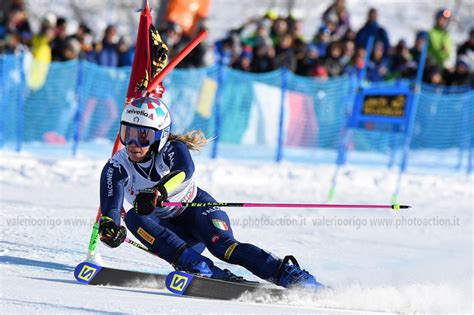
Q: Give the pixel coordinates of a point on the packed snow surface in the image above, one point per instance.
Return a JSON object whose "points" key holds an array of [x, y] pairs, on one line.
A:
{"points": [[417, 260]]}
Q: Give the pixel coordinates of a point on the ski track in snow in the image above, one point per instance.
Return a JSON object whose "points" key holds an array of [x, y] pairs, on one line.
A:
{"points": [[49, 204]]}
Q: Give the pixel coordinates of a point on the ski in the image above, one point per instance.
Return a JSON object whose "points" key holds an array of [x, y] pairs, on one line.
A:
{"points": [[182, 283], [89, 273], [177, 282]]}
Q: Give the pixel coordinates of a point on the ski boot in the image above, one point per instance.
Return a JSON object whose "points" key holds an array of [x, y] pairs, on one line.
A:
{"points": [[214, 272], [292, 276], [191, 261], [225, 274]]}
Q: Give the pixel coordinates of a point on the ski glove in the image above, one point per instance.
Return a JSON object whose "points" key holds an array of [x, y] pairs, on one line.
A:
{"points": [[148, 199], [111, 234]]}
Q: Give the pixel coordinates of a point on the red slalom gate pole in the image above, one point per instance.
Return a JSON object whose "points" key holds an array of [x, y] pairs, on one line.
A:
{"points": [[170, 66], [177, 59]]}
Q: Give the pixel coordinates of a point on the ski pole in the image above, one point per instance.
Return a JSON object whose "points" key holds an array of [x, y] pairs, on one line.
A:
{"points": [[139, 246], [132, 242], [395, 207]]}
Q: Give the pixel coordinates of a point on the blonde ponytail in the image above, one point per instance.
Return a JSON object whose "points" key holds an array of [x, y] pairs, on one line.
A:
{"points": [[195, 139]]}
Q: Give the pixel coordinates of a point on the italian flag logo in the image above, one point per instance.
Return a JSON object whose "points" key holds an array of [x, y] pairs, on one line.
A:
{"points": [[220, 224]]}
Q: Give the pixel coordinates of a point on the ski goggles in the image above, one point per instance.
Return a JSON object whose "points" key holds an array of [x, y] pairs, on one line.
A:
{"points": [[140, 136]]}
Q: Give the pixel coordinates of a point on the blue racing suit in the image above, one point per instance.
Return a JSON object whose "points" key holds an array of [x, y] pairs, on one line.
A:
{"points": [[166, 230]]}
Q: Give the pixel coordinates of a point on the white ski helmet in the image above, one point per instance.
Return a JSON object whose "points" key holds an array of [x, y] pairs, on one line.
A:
{"points": [[145, 121]]}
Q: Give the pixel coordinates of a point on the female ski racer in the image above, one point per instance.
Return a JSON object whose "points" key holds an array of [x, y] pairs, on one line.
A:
{"points": [[152, 157]]}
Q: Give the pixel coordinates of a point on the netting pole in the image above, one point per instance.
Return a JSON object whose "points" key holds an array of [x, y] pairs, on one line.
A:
{"points": [[341, 160], [464, 138], [368, 49], [470, 158], [20, 118], [393, 150], [346, 135], [217, 109], [4, 89], [411, 120], [281, 123], [77, 115]]}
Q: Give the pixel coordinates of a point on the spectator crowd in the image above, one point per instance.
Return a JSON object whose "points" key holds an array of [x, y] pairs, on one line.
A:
{"points": [[273, 41], [264, 44], [53, 43]]}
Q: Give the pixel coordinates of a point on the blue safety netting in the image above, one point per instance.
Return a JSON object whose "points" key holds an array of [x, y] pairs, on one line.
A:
{"points": [[100, 96], [11, 94], [269, 115]]}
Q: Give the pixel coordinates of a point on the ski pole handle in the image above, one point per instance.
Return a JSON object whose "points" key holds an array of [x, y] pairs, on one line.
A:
{"points": [[395, 207]]}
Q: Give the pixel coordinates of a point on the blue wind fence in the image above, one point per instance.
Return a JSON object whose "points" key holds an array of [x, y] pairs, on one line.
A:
{"points": [[250, 116], [12, 93]]}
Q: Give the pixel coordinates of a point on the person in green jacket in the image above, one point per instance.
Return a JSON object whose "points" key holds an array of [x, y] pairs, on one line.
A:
{"points": [[440, 44]]}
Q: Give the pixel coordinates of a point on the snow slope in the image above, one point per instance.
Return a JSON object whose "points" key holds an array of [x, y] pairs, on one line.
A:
{"points": [[421, 263]]}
